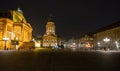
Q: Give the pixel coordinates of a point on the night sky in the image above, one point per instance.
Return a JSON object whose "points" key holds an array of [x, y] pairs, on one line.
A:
{"points": [[72, 17]]}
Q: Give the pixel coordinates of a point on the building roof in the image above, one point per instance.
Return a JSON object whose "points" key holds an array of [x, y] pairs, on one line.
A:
{"points": [[15, 15], [113, 25]]}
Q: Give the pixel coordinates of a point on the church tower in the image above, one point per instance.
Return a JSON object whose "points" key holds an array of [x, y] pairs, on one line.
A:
{"points": [[50, 38], [50, 27]]}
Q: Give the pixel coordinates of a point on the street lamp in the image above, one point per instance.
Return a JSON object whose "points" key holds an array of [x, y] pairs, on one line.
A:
{"points": [[106, 40], [5, 39]]}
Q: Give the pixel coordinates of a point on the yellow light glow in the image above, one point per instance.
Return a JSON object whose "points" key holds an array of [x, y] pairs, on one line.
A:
{"points": [[37, 44], [16, 29]]}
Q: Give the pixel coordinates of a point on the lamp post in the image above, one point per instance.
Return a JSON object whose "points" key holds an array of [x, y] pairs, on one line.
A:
{"points": [[106, 40], [5, 39]]}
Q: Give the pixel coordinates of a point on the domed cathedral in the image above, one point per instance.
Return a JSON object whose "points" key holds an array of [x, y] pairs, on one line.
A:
{"points": [[50, 38], [15, 31]]}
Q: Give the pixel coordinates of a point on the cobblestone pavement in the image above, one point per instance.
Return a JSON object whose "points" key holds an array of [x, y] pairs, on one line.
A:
{"points": [[59, 60]]}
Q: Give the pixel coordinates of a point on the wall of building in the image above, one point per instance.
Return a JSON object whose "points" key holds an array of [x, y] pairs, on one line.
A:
{"points": [[113, 34], [18, 31]]}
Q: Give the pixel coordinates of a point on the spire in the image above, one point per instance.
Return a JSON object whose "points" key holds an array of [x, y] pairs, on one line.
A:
{"points": [[19, 10], [50, 19], [51, 16]]}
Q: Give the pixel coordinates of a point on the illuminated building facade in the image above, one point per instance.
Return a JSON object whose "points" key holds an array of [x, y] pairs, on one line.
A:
{"points": [[86, 41], [38, 41], [108, 36], [49, 39], [14, 26]]}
